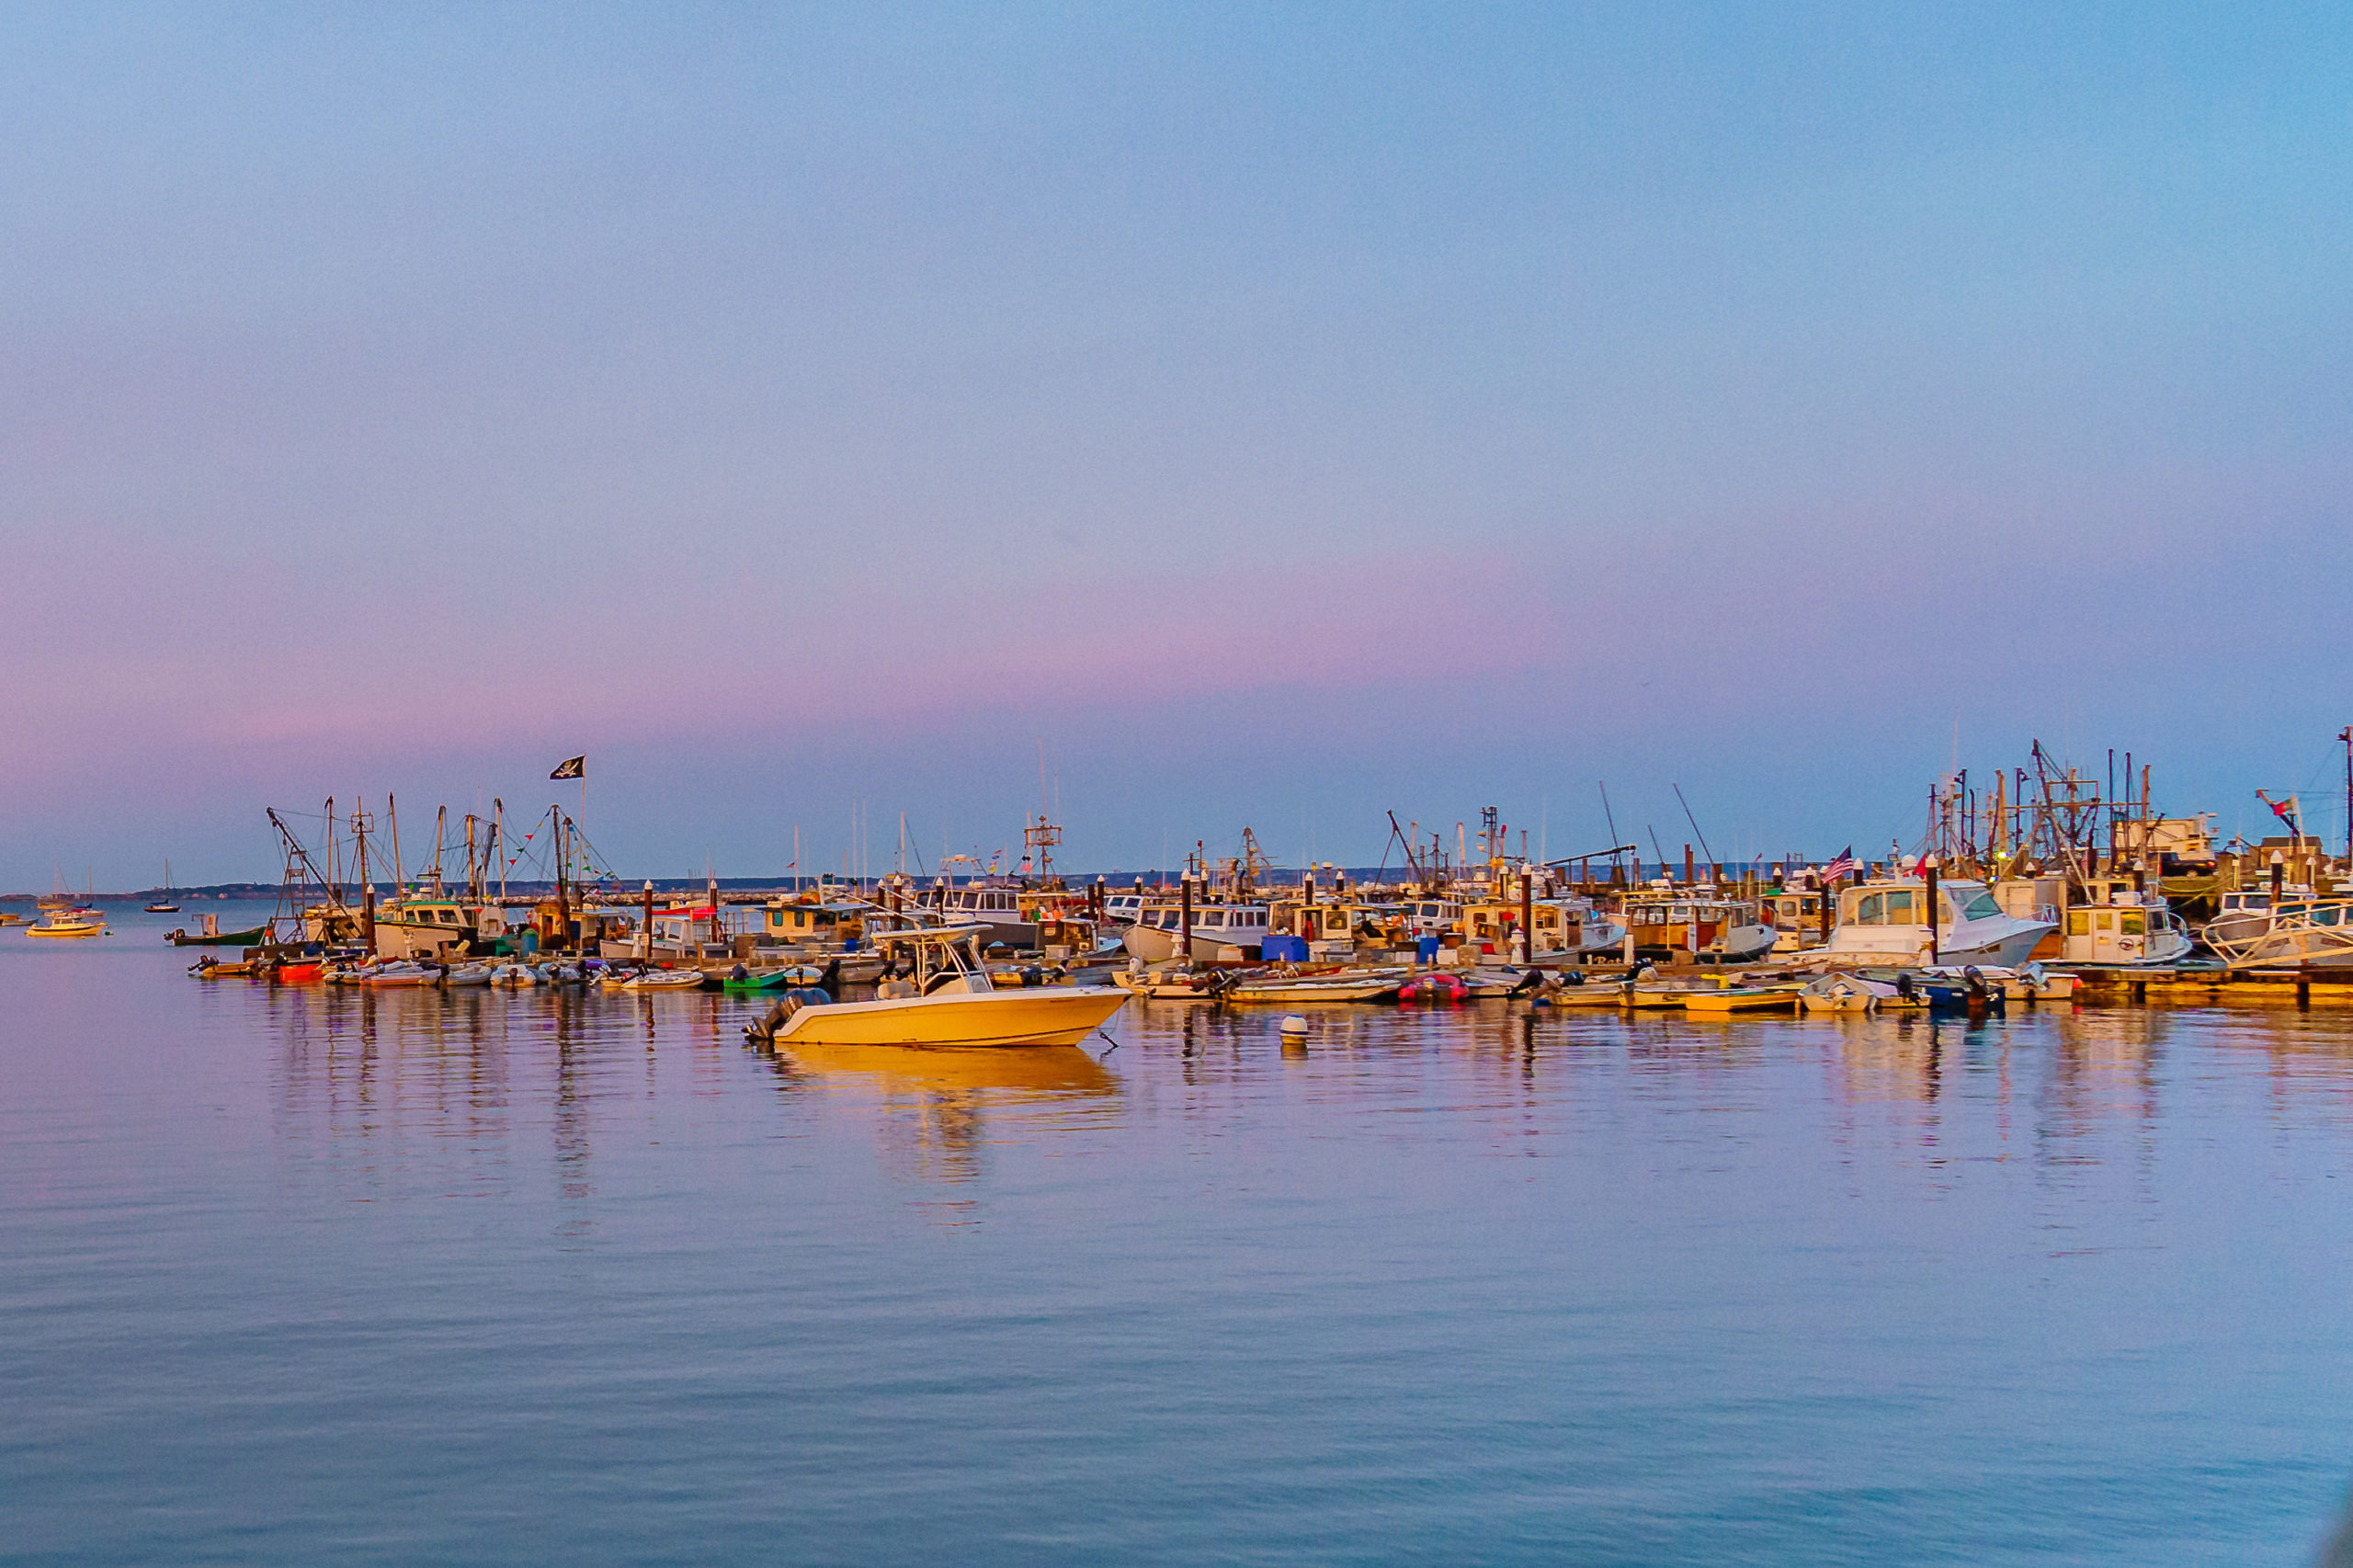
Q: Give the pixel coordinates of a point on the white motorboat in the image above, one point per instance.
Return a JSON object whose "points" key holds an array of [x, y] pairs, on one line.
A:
{"points": [[2252, 932], [1884, 922], [1222, 933], [951, 1000]]}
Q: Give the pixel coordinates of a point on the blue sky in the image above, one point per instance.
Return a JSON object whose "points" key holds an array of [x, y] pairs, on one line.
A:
{"points": [[1279, 415]]}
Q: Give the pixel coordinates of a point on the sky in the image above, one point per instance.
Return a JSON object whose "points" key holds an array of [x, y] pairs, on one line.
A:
{"points": [[1180, 417]]}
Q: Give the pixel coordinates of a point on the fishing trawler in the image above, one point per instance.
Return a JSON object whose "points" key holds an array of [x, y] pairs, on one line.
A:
{"points": [[2122, 925], [1695, 925]]}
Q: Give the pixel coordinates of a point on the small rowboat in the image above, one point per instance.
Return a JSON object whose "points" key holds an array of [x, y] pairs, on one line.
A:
{"points": [[1742, 999], [1373, 985], [1175, 986], [751, 982], [227, 969], [664, 980]]}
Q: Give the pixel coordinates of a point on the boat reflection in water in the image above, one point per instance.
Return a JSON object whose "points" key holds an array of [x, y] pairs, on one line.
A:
{"points": [[936, 1107]]}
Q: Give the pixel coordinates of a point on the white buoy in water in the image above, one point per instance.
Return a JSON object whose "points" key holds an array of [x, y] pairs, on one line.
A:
{"points": [[1293, 1026]]}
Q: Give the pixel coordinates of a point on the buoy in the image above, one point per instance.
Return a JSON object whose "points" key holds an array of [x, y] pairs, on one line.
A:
{"points": [[1293, 1026]]}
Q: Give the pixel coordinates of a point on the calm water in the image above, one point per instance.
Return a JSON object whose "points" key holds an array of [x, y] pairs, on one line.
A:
{"points": [[294, 1275]]}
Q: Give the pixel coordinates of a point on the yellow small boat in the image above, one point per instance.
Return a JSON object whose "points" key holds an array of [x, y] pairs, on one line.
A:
{"points": [[69, 923], [951, 1002], [1741, 999]]}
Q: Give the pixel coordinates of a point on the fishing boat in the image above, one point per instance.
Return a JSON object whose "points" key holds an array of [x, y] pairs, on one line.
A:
{"points": [[1689, 924], [2298, 931], [1222, 933], [953, 1003], [164, 905], [1882, 922], [212, 936], [2124, 927], [69, 924]]}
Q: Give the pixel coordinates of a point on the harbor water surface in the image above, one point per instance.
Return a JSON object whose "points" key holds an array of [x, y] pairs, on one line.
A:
{"points": [[292, 1275]]}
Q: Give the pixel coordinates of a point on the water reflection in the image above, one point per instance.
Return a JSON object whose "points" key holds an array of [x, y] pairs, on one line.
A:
{"points": [[938, 1106], [469, 1089]]}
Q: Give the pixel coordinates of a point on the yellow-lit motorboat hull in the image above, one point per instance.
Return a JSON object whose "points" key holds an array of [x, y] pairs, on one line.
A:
{"points": [[1051, 1015]]}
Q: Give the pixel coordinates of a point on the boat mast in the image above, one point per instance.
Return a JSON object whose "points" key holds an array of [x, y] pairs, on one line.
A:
{"points": [[393, 810], [563, 892]]}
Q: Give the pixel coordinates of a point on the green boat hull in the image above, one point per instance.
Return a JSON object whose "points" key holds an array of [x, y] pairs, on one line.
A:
{"points": [[225, 939]]}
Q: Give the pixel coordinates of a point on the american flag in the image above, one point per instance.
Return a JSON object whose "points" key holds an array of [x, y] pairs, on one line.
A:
{"points": [[1840, 867]]}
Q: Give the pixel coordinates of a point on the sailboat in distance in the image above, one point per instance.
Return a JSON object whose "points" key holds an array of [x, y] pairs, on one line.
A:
{"points": [[164, 905]]}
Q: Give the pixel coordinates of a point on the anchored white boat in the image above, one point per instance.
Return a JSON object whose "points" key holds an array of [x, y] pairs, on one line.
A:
{"points": [[1222, 933], [951, 1001], [2253, 932], [1884, 922]]}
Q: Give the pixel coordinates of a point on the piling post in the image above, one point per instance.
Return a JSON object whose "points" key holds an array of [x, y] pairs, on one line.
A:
{"points": [[1928, 867], [1526, 917]]}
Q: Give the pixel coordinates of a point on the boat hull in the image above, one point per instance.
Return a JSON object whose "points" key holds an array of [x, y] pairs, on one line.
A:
{"points": [[220, 939], [1032, 1015]]}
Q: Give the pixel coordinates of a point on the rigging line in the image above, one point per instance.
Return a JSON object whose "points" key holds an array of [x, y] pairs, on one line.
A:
{"points": [[1695, 824]]}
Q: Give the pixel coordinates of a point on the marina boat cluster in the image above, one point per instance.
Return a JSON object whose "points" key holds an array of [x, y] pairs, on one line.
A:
{"points": [[2045, 884]]}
